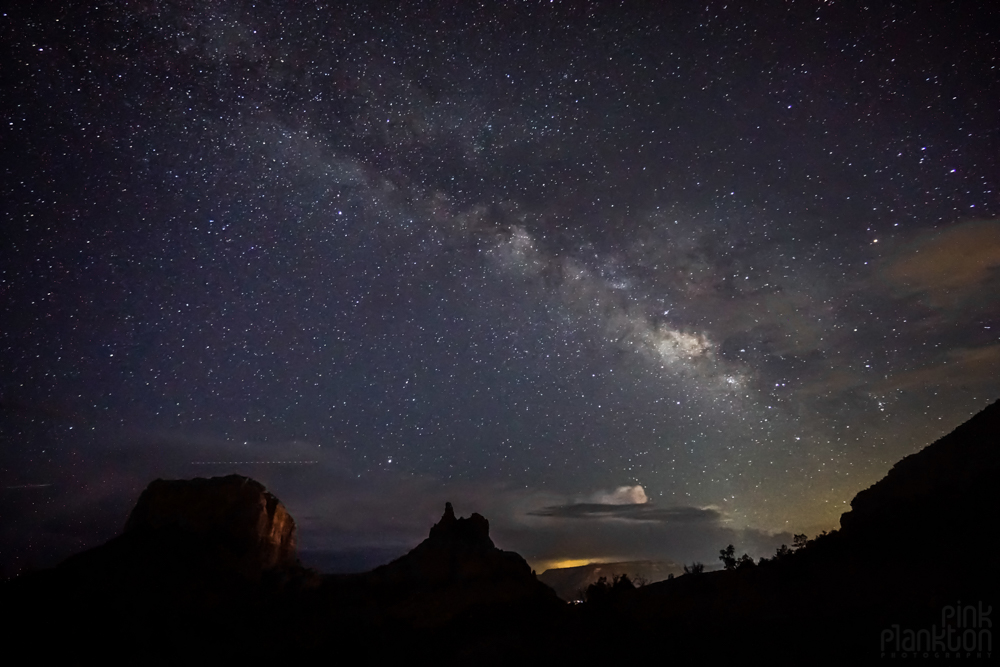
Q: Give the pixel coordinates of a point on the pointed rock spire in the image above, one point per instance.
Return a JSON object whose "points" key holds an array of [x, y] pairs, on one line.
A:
{"points": [[471, 532]]}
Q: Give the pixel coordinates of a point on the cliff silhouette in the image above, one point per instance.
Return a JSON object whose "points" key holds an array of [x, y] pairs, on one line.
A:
{"points": [[913, 544], [205, 571]]}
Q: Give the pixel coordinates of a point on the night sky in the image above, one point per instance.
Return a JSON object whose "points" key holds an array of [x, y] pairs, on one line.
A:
{"points": [[631, 281]]}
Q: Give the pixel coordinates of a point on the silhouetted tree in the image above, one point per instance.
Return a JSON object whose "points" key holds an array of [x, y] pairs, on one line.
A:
{"points": [[694, 568], [728, 558], [731, 562], [799, 541], [602, 591], [598, 592], [622, 583]]}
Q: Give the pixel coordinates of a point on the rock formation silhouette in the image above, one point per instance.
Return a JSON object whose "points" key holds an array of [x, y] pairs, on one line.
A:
{"points": [[457, 570], [952, 480], [247, 528], [457, 551]]}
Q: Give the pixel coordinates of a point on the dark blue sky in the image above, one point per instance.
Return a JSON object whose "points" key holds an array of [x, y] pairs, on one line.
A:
{"points": [[521, 256]]}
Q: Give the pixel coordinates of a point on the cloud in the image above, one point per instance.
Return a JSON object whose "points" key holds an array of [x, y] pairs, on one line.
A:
{"points": [[949, 267], [960, 367], [631, 512], [623, 495], [628, 503]]}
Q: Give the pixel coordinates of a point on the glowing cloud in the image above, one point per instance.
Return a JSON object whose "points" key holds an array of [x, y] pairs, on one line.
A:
{"points": [[623, 495], [949, 266]]}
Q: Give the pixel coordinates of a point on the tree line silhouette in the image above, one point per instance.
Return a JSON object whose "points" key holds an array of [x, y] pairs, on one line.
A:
{"points": [[731, 562], [604, 592]]}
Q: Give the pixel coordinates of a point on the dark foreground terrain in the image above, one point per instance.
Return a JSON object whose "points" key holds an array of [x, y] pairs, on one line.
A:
{"points": [[205, 572]]}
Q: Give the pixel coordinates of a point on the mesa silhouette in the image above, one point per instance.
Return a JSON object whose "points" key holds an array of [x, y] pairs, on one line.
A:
{"points": [[205, 571]]}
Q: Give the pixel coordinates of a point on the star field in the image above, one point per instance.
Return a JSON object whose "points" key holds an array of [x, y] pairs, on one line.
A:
{"points": [[744, 256]]}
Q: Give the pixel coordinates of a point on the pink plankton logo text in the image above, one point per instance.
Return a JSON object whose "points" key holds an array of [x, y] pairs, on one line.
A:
{"points": [[966, 631]]}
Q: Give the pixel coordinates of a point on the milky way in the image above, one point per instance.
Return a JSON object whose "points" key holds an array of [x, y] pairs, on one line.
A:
{"points": [[731, 261]]}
